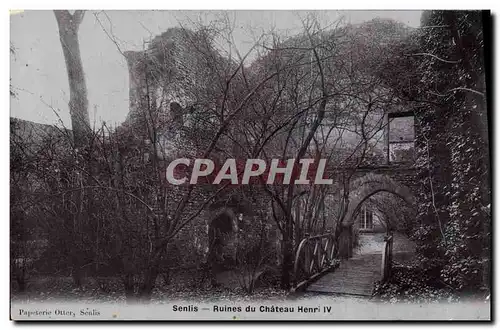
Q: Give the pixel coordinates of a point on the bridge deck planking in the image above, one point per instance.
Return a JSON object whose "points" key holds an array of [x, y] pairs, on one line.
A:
{"points": [[354, 276]]}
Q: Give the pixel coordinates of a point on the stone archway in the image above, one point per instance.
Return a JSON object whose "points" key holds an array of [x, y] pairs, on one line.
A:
{"points": [[369, 185], [362, 189]]}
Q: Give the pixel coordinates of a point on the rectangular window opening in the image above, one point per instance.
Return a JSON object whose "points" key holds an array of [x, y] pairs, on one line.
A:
{"points": [[366, 218], [401, 138]]}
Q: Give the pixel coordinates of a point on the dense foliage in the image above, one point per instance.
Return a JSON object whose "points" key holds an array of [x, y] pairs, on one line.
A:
{"points": [[440, 73], [412, 284]]}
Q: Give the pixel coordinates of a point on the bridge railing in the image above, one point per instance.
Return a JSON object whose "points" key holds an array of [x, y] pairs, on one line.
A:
{"points": [[314, 256], [387, 257]]}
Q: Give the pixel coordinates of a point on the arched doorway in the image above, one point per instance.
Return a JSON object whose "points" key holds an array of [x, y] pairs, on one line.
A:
{"points": [[373, 189], [221, 238], [368, 186]]}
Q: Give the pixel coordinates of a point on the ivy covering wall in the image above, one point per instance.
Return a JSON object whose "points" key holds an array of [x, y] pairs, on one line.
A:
{"points": [[441, 75]]}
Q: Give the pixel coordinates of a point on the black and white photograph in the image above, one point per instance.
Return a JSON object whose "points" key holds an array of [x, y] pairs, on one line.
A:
{"points": [[271, 165]]}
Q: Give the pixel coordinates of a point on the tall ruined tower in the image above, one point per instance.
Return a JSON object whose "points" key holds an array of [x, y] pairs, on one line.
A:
{"points": [[163, 73], [164, 83]]}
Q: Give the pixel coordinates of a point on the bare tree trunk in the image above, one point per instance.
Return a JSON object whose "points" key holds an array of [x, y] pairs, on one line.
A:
{"points": [[78, 107], [287, 251], [129, 287], [146, 289], [287, 265], [78, 104]]}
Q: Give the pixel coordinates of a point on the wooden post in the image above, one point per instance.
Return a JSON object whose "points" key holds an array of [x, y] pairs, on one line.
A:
{"points": [[387, 257], [345, 246], [351, 241]]}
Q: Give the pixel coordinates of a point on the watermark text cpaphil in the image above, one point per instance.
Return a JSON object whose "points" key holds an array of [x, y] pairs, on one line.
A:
{"points": [[252, 171]]}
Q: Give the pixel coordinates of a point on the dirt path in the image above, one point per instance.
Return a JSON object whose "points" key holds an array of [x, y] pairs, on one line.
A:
{"points": [[373, 243]]}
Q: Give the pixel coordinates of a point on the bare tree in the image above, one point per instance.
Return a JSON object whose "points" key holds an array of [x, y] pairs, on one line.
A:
{"points": [[78, 104]]}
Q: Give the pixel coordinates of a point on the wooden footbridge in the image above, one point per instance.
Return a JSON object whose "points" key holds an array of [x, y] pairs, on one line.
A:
{"points": [[317, 269], [328, 264]]}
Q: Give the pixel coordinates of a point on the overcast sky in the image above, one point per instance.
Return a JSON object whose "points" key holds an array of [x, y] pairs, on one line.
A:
{"points": [[38, 71]]}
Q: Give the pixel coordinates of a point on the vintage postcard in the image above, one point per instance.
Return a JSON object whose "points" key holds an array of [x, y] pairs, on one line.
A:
{"points": [[250, 165]]}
